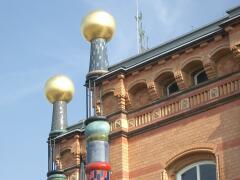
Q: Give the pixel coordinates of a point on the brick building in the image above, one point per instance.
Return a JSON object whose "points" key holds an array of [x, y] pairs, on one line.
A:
{"points": [[173, 110]]}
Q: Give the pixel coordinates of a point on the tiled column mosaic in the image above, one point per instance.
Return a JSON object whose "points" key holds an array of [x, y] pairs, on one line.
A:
{"points": [[97, 132]]}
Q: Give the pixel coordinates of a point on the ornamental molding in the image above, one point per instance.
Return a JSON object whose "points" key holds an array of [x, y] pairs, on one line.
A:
{"points": [[236, 51]]}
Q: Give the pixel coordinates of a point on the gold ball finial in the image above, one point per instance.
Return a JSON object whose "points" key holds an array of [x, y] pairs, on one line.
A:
{"points": [[98, 24], [59, 88]]}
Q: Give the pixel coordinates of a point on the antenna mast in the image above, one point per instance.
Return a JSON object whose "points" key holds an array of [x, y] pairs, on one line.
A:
{"points": [[137, 19], [142, 40]]}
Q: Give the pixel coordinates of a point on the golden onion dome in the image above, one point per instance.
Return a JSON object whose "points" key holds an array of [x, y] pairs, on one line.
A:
{"points": [[98, 24], [59, 88]]}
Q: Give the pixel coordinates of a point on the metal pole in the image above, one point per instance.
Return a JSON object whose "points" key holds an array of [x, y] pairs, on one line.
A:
{"points": [[87, 102], [94, 95], [137, 19], [101, 105], [90, 98]]}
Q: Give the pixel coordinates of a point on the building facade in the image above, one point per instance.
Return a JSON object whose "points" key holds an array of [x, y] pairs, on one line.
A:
{"points": [[174, 111]]}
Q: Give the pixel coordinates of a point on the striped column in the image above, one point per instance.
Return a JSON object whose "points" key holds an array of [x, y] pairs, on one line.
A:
{"points": [[97, 132]]}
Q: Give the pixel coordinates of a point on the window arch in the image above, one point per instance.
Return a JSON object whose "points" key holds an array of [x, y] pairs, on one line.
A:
{"points": [[189, 156], [203, 170], [225, 61], [139, 95], [172, 88], [199, 76], [194, 73], [166, 84], [109, 103]]}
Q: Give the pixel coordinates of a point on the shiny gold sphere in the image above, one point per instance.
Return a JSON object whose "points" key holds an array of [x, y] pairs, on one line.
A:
{"points": [[59, 88], [98, 24]]}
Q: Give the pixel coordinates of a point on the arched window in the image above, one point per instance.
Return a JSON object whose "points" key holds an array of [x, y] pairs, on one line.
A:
{"points": [[225, 61], [199, 76], [139, 95], [109, 103], [172, 88], [193, 73], [203, 170], [166, 84]]}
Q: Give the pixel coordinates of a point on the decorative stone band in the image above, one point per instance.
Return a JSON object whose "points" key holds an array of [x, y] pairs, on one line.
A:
{"points": [[98, 166], [97, 137], [56, 175]]}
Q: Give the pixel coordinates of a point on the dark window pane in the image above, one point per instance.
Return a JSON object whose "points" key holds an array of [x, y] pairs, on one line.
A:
{"points": [[208, 172], [202, 77], [191, 174], [173, 88]]}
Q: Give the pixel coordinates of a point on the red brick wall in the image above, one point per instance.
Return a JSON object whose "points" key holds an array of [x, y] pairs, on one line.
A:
{"points": [[149, 153]]}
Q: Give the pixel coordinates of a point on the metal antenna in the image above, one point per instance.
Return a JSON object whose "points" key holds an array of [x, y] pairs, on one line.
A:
{"points": [[142, 39], [137, 19]]}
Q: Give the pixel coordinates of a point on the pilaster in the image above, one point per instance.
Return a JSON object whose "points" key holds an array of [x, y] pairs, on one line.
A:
{"points": [[236, 52], [210, 68], [128, 101], [119, 158], [180, 80], [234, 40], [121, 93], [152, 90]]}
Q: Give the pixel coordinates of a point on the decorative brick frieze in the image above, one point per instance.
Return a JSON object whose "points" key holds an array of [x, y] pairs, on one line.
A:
{"points": [[184, 104], [214, 93], [118, 124], [180, 105], [131, 123]]}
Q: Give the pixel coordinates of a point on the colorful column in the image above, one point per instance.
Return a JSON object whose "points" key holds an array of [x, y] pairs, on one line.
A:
{"points": [[98, 28], [97, 132], [59, 91]]}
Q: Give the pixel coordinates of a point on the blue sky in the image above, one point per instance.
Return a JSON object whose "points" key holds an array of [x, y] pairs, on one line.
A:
{"points": [[41, 38]]}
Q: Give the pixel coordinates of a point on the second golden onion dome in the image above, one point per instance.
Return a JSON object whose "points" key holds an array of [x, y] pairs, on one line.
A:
{"points": [[59, 88], [98, 24]]}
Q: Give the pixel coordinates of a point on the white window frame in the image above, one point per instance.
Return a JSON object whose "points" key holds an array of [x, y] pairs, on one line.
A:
{"points": [[168, 93], [196, 76], [197, 165]]}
